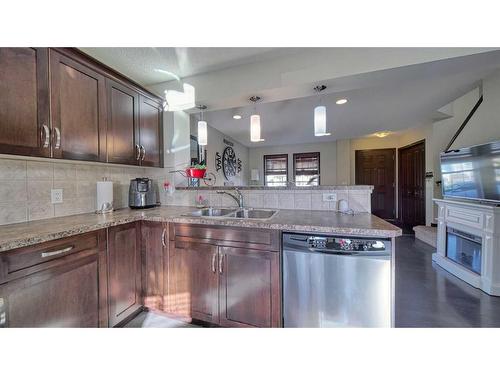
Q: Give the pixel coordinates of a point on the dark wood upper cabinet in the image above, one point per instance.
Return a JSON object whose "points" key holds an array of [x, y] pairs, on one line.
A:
{"points": [[248, 288], [193, 283], [154, 249], [151, 132], [78, 110], [123, 124], [47, 288], [24, 102], [124, 276]]}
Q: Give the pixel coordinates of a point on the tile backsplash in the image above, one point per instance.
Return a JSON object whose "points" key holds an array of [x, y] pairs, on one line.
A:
{"points": [[359, 200], [25, 188]]}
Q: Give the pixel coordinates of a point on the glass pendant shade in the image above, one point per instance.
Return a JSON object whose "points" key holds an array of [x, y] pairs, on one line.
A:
{"points": [[320, 121], [202, 133], [255, 128]]}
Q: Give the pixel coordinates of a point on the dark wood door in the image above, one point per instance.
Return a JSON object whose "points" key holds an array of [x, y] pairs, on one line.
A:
{"points": [[78, 110], [412, 186], [66, 295], [123, 124], [377, 168], [151, 134], [24, 102], [193, 282], [154, 240], [248, 288], [124, 264]]}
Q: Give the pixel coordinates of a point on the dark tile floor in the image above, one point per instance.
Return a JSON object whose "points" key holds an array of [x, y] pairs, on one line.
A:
{"points": [[426, 295], [429, 296]]}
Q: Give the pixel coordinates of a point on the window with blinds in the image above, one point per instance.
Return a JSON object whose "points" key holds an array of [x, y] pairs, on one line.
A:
{"points": [[306, 169], [275, 170]]}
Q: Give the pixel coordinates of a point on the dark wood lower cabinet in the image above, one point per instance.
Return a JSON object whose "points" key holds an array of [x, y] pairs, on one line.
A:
{"points": [[154, 252], [248, 288], [231, 286], [193, 283], [124, 272], [63, 292]]}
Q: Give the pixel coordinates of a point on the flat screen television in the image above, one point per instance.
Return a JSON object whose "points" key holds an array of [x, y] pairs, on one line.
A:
{"points": [[472, 173]]}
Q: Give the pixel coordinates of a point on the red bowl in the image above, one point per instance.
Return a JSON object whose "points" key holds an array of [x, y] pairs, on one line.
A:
{"points": [[195, 172]]}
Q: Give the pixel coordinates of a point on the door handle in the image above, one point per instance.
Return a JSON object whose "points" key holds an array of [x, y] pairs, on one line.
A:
{"points": [[163, 238], [214, 257], [57, 252], [46, 136], [137, 152], [58, 138], [221, 262], [143, 149]]}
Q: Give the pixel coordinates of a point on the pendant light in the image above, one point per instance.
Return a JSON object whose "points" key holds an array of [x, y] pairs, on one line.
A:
{"points": [[320, 116], [202, 127], [255, 122]]}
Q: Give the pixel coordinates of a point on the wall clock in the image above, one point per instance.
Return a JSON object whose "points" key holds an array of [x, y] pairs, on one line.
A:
{"points": [[229, 163]]}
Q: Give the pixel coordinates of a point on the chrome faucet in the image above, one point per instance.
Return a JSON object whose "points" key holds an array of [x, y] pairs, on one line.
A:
{"points": [[238, 198]]}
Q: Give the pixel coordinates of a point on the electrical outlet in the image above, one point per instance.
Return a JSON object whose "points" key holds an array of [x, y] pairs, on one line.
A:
{"points": [[329, 197], [56, 195]]}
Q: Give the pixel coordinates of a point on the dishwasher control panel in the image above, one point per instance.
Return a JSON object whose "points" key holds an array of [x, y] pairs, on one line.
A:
{"points": [[335, 244]]}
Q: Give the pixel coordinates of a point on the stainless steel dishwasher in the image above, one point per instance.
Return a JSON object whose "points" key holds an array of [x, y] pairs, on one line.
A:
{"points": [[336, 281]]}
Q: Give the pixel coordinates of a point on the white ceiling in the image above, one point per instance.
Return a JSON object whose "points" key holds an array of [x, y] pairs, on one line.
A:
{"points": [[148, 66], [392, 99]]}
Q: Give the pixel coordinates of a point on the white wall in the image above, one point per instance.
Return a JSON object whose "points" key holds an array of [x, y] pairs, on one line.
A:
{"points": [[328, 159]]}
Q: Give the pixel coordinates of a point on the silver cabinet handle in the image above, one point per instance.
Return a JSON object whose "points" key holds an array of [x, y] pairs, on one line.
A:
{"points": [[3, 314], [143, 152], [214, 257], [221, 262], [58, 138], [137, 152], [163, 237], [57, 252], [46, 136]]}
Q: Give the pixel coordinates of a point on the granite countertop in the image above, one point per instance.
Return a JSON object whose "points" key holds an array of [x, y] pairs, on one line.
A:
{"points": [[14, 236]]}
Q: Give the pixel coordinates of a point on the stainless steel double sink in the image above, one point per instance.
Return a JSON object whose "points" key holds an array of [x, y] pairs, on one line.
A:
{"points": [[237, 213]]}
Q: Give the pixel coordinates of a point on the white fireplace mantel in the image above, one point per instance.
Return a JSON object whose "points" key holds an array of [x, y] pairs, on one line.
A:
{"points": [[480, 220]]}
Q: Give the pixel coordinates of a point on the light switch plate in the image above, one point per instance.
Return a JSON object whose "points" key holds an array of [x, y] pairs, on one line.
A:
{"points": [[329, 197], [56, 195]]}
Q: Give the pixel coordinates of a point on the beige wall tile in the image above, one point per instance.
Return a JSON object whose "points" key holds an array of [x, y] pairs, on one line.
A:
{"points": [[13, 213], [37, 211], [39, 170], [12, 169], [64, 171], [270, 200], [317, 202], [286, 200], [302, 201], [13, 191], [39, 190], [68, 207], [89, 189], [68, 186]]}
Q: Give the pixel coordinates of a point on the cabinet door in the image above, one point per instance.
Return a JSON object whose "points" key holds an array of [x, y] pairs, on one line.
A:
{"points": [[153, 243], [124, 264], [78, 110], [193, 285], [123, 124], [249, 288], [63, 296], [151, 132], [24, 102]]}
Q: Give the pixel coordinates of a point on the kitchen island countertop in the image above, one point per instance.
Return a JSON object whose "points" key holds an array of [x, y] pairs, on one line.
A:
{"points": [[14, 236]]}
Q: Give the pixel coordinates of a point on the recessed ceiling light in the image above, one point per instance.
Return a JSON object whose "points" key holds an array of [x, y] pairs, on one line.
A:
{"points": [[382, 134], [341, 101], [237, 117]]}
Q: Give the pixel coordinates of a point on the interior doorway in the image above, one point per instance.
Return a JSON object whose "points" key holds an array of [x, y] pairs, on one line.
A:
{"points": [[411, 189], [378, 168]]}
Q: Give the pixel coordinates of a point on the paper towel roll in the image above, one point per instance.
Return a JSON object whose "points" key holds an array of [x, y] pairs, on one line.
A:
{"points": [[104, 195]]}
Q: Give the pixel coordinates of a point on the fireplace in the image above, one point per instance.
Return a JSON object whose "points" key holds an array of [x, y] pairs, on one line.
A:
{"points": [[464, 248]]}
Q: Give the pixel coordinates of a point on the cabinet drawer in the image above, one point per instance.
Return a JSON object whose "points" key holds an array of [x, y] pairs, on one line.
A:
{"points": [[27, 260], [251, 238], [464, 216]]}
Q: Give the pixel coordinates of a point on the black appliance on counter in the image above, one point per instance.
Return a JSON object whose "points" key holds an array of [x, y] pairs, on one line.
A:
{"points": [[143, 193]]}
